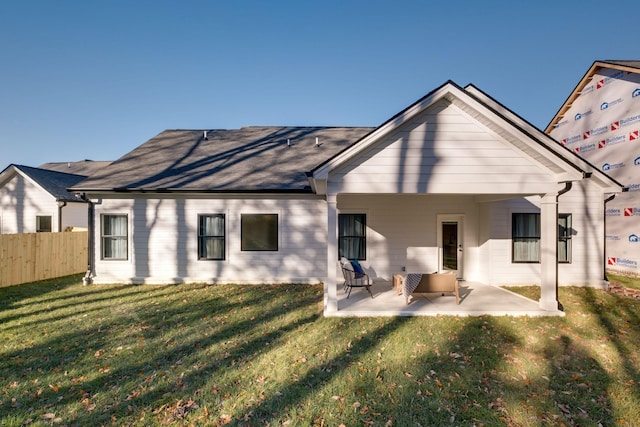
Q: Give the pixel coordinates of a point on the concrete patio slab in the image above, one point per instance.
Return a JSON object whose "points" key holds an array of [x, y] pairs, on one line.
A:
{"points": [[476, 299]]}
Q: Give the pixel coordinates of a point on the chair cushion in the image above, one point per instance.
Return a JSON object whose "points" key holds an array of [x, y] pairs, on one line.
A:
{"points": [[357, 268], [346, 264]]}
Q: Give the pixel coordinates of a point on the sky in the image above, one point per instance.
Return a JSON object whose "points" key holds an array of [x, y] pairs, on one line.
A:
{"points": [[94, 80]]}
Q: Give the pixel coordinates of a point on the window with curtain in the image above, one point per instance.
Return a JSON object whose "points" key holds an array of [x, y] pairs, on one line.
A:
{"points": [[352, 236], [114, 236], [525, 237], [259, 232], [211, 237], [43, 223], [564, 238]]}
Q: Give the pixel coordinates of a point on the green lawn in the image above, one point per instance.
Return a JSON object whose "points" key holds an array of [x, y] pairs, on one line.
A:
{"points": [[626, 281], [264, 355]]}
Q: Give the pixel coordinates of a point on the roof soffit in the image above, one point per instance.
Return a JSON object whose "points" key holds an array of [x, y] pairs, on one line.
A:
{"points": [[526, 144], [7, 174], [574, 164]]}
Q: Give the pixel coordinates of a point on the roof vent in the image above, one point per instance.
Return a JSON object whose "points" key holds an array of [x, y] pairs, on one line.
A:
{"points": [[288, 142], [204, 135], [317, 142]]}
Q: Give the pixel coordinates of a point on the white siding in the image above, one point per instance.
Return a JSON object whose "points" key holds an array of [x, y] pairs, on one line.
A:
{"points": [[584, 203], [402, 231], [445, 151], [163, 241], [74, 215], [21, 201]]}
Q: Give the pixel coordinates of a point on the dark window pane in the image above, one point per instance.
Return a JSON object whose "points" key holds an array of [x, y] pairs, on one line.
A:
{"points": [[525, 237], [259, 232], [564, 238], [352, 236], [211, 237], [43, 224]]}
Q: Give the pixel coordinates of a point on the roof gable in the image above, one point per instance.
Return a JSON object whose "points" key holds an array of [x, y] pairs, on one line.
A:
{"points": [[547, 143], [508, 128], [441, 150], [54, 183]]}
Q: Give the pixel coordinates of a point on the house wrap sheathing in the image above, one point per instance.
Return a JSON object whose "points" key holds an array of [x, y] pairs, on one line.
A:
{"points": [[600, 122]]}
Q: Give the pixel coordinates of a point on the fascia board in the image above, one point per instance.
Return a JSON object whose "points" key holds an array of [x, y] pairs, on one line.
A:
{"points": [[573, 164], [502, 119]]}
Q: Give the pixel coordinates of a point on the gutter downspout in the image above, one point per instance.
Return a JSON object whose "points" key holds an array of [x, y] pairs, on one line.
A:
{"points": [[87, 279], [60, 206], [604, 247], [567, 186]]}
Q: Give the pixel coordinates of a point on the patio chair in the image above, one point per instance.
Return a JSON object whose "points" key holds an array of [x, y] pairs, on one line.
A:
{"points": [[354, 279]]}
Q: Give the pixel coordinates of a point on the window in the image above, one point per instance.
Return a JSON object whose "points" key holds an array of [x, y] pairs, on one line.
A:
{"points": [[352, 236], [43, 223], [211, 237], [564, 238], [259, 232], [113, 235], [525, 237]]}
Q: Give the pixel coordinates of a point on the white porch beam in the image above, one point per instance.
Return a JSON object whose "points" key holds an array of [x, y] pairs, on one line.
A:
{"points": [[549, 252], [330, 285]]}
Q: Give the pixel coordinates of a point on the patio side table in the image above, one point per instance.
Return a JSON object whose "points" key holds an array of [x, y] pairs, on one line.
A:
{"points": [[398, 280]]}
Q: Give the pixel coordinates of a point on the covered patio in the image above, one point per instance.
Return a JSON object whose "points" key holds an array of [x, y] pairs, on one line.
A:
{"points": [[458, 183], [476, 299]]}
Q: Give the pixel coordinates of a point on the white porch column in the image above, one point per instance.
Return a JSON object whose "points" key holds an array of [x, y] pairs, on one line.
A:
{"points": [[549, 252], [330, 285]]}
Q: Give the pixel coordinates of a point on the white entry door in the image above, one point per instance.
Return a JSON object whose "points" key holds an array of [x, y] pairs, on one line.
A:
{"points": [[450, 245]]}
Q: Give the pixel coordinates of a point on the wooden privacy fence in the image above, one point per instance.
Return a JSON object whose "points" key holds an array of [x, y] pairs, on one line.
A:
{"points": [[26, 258]]}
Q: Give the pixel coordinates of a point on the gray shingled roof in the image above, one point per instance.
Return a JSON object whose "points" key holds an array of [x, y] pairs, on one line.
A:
{"points": [[82, 167], [56, 183], [239, 160]]}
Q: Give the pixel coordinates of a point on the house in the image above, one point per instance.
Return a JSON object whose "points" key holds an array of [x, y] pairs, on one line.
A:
{"points": [[600, 122], [36, 199], [454, 182]]}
